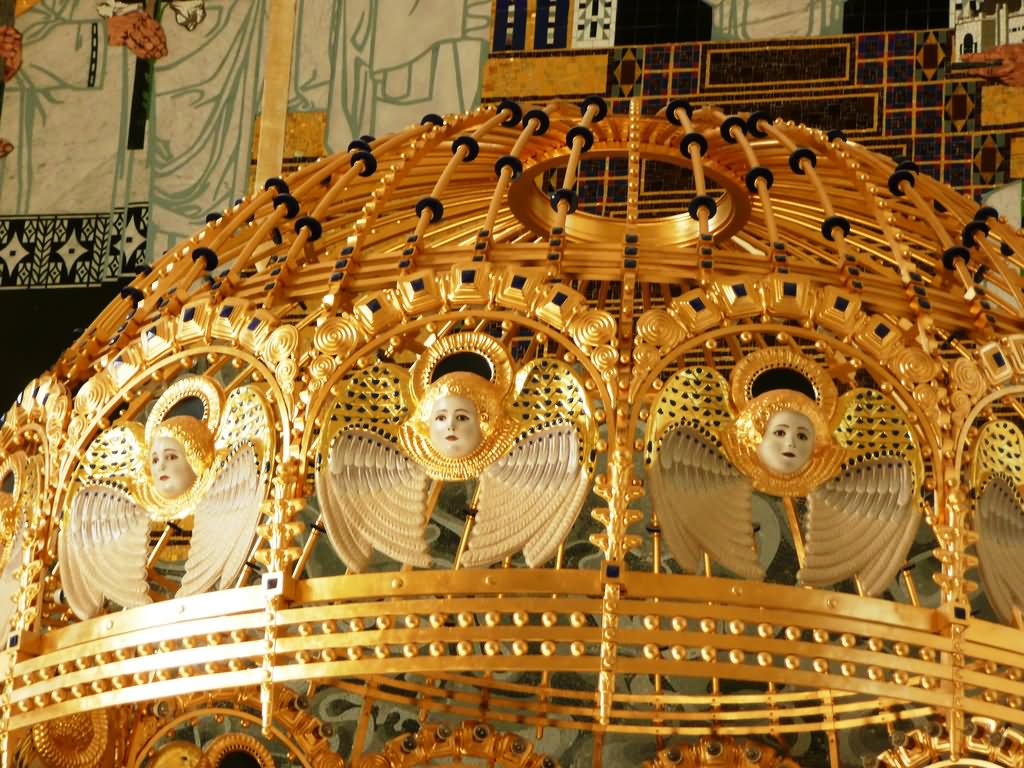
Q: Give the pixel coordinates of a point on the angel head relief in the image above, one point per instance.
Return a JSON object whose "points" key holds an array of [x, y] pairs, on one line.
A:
{"points": [[461, 412], [182, 450], [780, 427], [459, 423], [787, 429], [206, 475]]}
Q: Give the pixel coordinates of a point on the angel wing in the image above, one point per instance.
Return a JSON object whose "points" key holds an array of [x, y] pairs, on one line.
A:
{"points": [[224, 524], [530, 497], [371, 495], [102, 550], [863, 521], [1000, 515], [702, 501], [226, 517], [104, 536]]}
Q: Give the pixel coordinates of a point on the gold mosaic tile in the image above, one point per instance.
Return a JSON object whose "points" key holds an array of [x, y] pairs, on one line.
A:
{"points": [[1001, 104], [1017, 157], [545, 76], [303, 135]]}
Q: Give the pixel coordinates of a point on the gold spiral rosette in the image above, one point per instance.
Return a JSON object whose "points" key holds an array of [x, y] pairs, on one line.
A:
{"points": [[658, 327], [966, 376], [929, 396], [282, 343], [319, 369], [915, 366], [94, 394], [605, 358], [593, 328], [645, 356], [961, 403], [337, 336], [75, 741]]}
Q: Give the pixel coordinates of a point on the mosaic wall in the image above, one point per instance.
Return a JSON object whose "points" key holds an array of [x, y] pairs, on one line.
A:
{"points": [[110, 149], [894, 92]]}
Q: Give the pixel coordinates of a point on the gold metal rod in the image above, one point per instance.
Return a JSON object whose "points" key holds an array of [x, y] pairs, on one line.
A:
{"points": [[908, 581], [161, 542], [794, 529], [467, 527]]}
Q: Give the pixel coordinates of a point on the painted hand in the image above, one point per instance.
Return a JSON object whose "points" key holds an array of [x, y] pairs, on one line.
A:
{"points": [[1010, 70], [140, 32]]}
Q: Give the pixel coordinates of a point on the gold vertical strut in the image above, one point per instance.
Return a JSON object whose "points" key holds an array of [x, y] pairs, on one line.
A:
{"points": [[277, 69]]}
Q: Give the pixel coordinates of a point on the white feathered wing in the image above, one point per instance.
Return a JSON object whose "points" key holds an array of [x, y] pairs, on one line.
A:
{"points": [[224, 524], [529, 498], [1000, 513], [102, 549], [373, 497], [703, 504], [862, 522]]}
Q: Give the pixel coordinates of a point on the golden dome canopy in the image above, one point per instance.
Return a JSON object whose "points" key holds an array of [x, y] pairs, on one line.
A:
{"points": [[632, 260]]}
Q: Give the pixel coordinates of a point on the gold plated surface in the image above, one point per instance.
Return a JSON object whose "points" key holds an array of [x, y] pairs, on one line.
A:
{"points": [[339, 289]]}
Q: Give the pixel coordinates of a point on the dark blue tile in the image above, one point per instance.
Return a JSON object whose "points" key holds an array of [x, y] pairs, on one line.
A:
{"points": [[870, 73], [871, 47], [897, 123], [898, 97], [900, 71], [957, 174], [686, 56], [929, 121], [657, 57], [958, 147], [901, 44], [684, 83], [929, 95], [928, 149]]}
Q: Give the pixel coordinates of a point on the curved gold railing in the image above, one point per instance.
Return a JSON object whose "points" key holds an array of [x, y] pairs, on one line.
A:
{"points": [[435, 640]]}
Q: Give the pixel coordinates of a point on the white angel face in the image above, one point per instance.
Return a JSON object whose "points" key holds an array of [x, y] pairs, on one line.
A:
{"points": [[172, 475], [788, 442], [454, 426]]}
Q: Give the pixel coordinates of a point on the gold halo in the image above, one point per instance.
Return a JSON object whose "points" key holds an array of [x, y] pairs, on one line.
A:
{"points": [[14, 464], [227, 743], [742, 378], [191, 386], [480, 343]]}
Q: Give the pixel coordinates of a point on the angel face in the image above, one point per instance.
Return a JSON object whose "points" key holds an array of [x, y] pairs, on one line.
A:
{"points": [[787, 443], [172, 475], [455, 426]]}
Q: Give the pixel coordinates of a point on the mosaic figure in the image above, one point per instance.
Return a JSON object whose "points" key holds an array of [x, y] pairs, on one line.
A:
{"points": [[785, 433], [205, 475], [530, 441]]}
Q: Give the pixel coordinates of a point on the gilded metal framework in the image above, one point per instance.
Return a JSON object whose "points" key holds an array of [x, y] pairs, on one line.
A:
{"points": [[884, 278]]}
